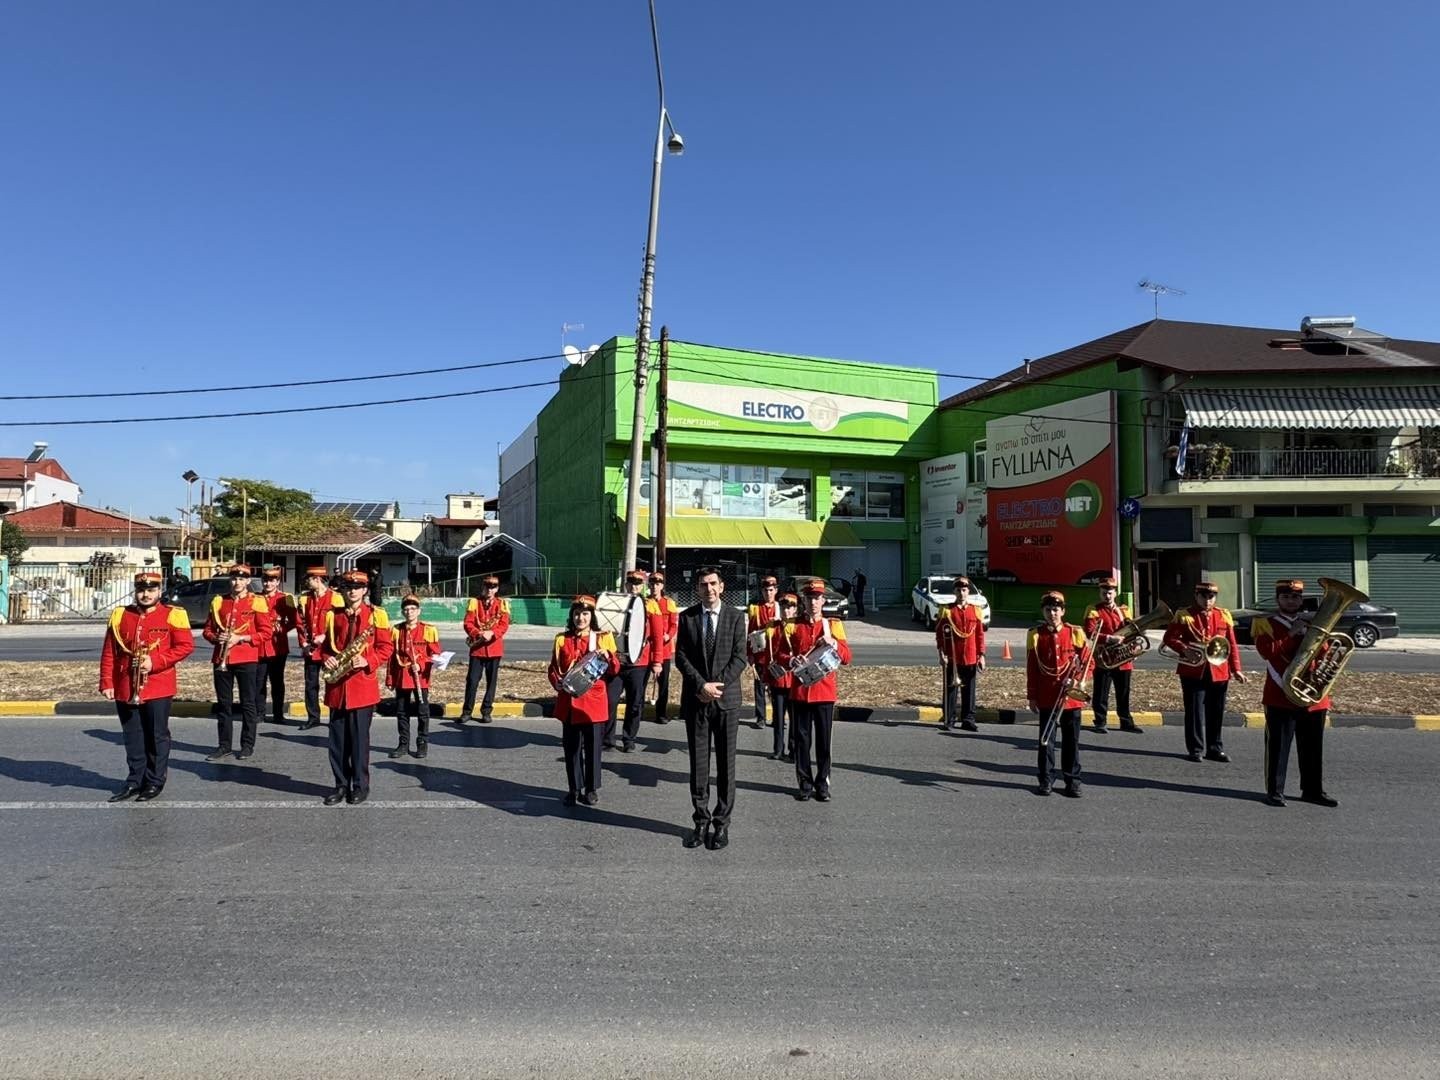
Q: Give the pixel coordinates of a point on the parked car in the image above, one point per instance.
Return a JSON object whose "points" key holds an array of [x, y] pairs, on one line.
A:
{"points": [[1367, 623], [195, 597], [932, 593], [836, 606]]}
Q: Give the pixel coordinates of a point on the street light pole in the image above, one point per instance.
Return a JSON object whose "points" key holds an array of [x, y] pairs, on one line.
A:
{"points": [[674, 145]]}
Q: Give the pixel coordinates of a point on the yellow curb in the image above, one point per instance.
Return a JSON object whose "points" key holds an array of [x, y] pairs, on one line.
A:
{"points": [[1427, 723], [1148, 719], [27, 708], [297, 710], [930, 714], [500, 708]]}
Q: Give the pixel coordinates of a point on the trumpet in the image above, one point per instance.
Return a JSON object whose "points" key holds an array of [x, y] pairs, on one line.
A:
{"points": [[1323, 653], [231, 625], [137, 655], [1133, 642]]}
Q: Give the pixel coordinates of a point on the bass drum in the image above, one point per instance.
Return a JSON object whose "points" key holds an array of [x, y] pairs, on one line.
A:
{"points": [[624, 616]]}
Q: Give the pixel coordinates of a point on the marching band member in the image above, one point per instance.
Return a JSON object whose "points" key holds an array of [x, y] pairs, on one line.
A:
{"points": [[760, 617], [143, 643], [311, 610], [1103, 620], [486, 620], [1277, 639], [778, 686], [1054, 651], [416, 645], [582, 718], [960, 640], [357, 643], [631, 680], [275, 649], [814, 705], [664, 617], [236, 625], [1204, 684]]}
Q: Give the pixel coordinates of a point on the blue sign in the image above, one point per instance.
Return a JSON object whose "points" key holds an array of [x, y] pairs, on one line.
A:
{"points": [[1130, 509]]}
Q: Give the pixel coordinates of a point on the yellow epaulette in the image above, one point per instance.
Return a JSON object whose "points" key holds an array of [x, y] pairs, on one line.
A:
{"points": [[837, 629], [177, 619], [1092, 612], [605, 640], [431, 634], [382, 620], [1032, 637], [1077, 637], [1227, 617], [115, 617], [652, 607], [505, 605], [473, 606]]}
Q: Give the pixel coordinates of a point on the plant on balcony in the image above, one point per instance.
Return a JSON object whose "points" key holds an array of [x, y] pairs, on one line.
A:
{"points": [[1213, 461]]}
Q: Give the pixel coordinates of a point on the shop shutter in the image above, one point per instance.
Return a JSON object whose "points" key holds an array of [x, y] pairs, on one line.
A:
{"points": [[884, 571], [1307, 557], [1405, 575]]}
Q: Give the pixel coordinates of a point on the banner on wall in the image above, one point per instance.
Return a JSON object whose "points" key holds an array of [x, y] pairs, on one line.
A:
{"points": [[780, 410], [1050, 512], [943, 509]]}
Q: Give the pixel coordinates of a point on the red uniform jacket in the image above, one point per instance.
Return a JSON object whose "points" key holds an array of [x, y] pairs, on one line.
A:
{"points": [[1049, 657], [492, 616], [592, 707], [250, 615], [1277, 647], [310, 621], [758, 617], [282, 611], [1107, 619], [421, 642], [662, 616], [361, 688], [960, 634], [163, 632], [1193, 626], [776, 644], [797, 639]]}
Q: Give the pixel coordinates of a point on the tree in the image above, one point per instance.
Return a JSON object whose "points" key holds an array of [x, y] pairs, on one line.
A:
{"points": [[278, 515], [13, 542], [163, 519]]}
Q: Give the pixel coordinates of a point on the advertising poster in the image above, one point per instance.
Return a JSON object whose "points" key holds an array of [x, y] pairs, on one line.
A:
{"points": [[1050, 503], [943, 510], [977, 548], [744, 491]]}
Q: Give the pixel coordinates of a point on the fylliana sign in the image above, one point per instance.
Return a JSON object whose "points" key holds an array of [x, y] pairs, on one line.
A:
{"points": [[729, 407]]}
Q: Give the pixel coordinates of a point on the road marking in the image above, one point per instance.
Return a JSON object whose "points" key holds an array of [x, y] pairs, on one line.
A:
{"points": [[268, 804]]}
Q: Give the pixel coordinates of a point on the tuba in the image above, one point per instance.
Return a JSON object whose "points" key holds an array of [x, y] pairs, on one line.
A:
{"points": [[1132, 637], [1215, 650], [1323, 653]]}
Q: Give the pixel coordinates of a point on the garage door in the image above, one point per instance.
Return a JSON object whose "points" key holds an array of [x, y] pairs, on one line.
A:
{"points": [[884, 571], [1405, 574], [1308, 557]]}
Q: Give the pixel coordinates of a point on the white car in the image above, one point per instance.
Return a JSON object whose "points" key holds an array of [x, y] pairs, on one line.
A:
{"points": [[932, 593]]}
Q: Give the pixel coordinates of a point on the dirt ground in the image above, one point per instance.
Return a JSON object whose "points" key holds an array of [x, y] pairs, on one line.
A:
{"points": [[1002, 686]]}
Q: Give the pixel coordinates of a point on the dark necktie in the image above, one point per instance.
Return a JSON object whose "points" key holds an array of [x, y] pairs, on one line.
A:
{"points": [[710, 638]]}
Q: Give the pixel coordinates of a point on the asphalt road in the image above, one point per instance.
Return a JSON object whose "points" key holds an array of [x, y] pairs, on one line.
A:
{"points": [[936, 919]]}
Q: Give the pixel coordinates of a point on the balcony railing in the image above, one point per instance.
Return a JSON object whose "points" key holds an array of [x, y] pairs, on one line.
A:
{"points": [[1217, 461]]}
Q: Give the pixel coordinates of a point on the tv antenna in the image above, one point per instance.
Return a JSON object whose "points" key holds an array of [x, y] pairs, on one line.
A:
{"points": [[575, 357], [1155, 289]]}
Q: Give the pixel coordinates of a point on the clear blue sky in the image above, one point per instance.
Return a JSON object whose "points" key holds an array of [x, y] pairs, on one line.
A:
{"points": [[198, 194]]}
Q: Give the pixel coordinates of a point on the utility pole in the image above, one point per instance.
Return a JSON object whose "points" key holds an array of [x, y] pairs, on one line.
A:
{"points": [[660, 475]]}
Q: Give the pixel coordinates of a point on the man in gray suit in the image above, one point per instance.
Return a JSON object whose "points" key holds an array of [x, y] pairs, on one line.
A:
{"points": [[710, 652]]}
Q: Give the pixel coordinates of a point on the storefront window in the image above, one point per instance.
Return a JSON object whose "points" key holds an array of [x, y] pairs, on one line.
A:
{"points": [[787, 493], [738, 491], [878, 496]]}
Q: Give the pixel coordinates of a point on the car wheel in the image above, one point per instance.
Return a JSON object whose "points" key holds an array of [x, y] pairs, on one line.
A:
{"points": [[1364, 635], [914, 615]]}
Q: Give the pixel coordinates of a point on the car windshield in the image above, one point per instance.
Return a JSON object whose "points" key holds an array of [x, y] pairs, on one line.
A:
{"points": [[942, 585]]}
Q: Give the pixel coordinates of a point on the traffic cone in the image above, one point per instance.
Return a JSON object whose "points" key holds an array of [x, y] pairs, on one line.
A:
{"points": [[1005, 653]]}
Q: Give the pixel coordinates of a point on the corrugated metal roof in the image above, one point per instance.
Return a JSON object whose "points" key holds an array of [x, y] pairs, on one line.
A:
{"points": [[1314, 407]]}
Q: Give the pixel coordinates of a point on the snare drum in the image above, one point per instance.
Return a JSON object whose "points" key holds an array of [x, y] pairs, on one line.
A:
{"points": [[584, 673], [624, 616], [816, 664]]}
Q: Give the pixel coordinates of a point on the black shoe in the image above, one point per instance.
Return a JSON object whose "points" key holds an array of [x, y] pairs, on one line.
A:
{"points": [[570, 799], [944, 725], [805, 794], [1132, 727], [1100, 729], [696, 837], [590, 798], [1072, 791], [627, 746], [357, 796], [336, 796], [460, 720], [1320, 798], [608, 744], [822, 794], [219, 755], [662, 719], [719, 839], [398, 752], [486, 717], [148, 792], [773, 757], [1275, 799], [789, 759], [1045, 788], [308, 724], [1193, 755], [1217, 755], [422, 749], [759, 725], [969, 725], [129, 791], [243, 754]]}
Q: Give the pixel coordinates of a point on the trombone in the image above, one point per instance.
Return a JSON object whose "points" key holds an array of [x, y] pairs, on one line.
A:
{"points": [[1073, 686]]}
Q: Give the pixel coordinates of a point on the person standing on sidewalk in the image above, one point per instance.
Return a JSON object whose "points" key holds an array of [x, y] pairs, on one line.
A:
{"points": [[235, 626], [1056, 663], [960, 640], [814, 705], [415, 646], [311, 608], [582, 716], [634, 674], [664, 616], [275, 649], [859, 592], [1103, 620], [357, 645], [778, 680], [143, 643], [1205, 669], [487, 618], [1277, 639], [758, 619]]}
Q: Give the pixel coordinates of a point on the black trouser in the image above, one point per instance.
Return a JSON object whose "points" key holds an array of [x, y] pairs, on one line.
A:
{"points": [[312, 689], [779, 705], [1307, 729], [962, 697], [1204, 713], [712, 727], [581, 744], [759, 689], [243, 676], [1104, 679], [1069, 725], [631, 680], [408, 702], [662, 690], [859, 595], [350, 747], [489, 667], [813, 723], [146, 728], [272, 671]]}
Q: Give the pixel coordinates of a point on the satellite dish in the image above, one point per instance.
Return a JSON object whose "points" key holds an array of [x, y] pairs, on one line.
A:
{"points": [[573, 356]]}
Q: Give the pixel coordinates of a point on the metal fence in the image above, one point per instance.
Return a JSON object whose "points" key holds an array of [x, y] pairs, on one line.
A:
{"points": [[1215, 461], [55, 592], [742, 581]]}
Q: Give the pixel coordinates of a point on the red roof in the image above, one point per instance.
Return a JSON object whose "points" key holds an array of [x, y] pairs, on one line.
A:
{"points": [[18, 469], [68, 517]]}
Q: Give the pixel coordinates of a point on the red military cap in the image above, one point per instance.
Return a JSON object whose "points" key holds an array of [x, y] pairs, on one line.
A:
{"points": [[354, 577], [316, 571], [1294, 585], [1208, 586], [1054, 596], [963, 581], [657, 575], [490, 580], [147, 577], [583, 601], [635, 577], [790, 598], [409, 600], [769, 579], [270, 570], [240, 569], [813, 587], [1107, 583]]}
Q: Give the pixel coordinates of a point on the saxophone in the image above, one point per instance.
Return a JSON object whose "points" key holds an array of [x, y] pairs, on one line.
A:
{"points": [[482, 625], [345, 660]]}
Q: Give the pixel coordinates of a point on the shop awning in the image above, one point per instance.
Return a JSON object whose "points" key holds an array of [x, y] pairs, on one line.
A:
{"points": [[1314, 407], [707, 532]]}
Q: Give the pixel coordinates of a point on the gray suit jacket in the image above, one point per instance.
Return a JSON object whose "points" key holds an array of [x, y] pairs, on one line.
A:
{"points": [[726, 666]]}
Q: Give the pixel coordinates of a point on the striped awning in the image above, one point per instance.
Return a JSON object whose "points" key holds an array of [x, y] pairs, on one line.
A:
{"points": [[1314, 407]]}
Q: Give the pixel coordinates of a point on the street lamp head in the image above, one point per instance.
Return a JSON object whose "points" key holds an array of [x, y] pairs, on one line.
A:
{"points": [[676, 145], [189, 476]]}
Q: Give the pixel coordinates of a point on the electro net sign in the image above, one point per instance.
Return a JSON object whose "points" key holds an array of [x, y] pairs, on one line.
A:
{"points": [[785, 410], [1050, 506]]}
